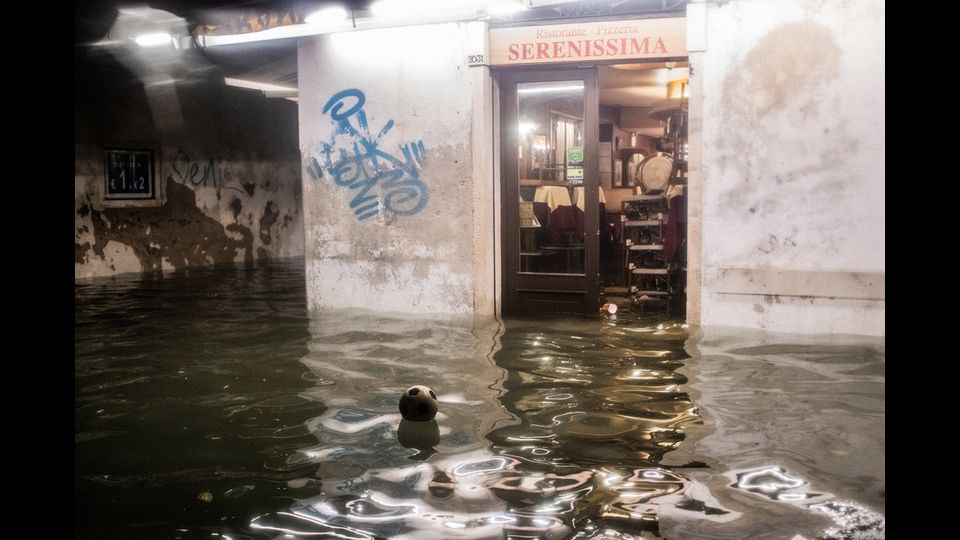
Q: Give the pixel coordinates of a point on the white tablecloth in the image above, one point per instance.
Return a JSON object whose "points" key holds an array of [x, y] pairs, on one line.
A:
{"points": [[578, 196], [554, 196]]}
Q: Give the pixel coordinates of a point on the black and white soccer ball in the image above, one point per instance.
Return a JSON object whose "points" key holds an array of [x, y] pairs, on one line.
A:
{"points": [[418, 404]]}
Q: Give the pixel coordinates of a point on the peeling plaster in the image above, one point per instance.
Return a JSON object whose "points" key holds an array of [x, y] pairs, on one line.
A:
{"points": [[81, 252], [236, 206], [193, 227], [175, 227], [267, 220], [224, 144]]}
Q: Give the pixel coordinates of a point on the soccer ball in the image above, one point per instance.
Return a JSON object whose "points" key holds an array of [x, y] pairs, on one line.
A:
{"points": [[418, 404]]}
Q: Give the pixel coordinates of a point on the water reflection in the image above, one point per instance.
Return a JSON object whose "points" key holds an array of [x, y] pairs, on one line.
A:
{"points": [[569, 439], [596, 409], [215, 407], [796, 425], [852, 520], [775, 483]]}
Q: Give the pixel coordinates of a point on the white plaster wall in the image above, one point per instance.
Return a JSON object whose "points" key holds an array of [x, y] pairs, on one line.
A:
{"points": [[426, 262], [793, 163]]}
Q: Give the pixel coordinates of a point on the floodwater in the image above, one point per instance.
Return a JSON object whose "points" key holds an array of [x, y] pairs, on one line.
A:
{"points": [[209, 405]]}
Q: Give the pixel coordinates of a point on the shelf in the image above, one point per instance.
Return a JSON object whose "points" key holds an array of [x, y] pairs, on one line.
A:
{"points": [[645, 222], [654, 282], [650, 271]]}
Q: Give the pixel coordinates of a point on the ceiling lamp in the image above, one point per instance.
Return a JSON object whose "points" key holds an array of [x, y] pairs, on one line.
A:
{"points": [[679, 88]]}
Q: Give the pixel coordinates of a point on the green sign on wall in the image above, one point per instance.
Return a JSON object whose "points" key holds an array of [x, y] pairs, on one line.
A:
{"points": [[575, 164]]}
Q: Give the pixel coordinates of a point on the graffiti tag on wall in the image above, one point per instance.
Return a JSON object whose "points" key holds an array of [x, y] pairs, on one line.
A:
{"points": [[189, 170], [202, 172], [353, 159]]}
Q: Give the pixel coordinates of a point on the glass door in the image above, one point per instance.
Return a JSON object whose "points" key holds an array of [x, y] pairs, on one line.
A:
{"points": [[550, 199]]}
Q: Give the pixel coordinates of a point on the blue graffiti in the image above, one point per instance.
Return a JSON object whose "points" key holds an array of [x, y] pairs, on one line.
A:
{"points": [[353, 159]]}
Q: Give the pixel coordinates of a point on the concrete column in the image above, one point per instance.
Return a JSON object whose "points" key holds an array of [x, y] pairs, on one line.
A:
{"points": [[398, 180]]}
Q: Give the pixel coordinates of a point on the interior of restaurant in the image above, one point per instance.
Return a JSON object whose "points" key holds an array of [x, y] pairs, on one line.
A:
{"points": [[642, 179]]}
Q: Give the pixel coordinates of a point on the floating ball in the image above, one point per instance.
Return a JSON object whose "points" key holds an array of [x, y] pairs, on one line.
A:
{"points": [[418, 404]]}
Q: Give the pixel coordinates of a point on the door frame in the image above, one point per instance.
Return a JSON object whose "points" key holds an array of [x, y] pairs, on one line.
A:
{"points": [[583, 288]]}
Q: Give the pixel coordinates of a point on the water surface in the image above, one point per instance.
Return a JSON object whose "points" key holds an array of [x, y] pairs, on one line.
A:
{"points": [[210, 405]]}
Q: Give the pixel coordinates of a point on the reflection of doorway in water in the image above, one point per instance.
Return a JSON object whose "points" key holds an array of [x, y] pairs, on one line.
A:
{"points": [[596, 416]]}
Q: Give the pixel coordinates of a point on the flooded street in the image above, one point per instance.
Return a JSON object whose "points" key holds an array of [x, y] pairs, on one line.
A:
{"points": [[211, 405]]}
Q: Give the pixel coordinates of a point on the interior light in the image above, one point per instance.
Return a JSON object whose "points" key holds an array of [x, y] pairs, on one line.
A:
{"points": [[527, 127], [679, 88], [277, 32], [550, 88], [154, 39], [269, 90]]}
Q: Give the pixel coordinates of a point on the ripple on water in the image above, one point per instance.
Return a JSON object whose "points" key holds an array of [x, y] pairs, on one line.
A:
{"points": [[220, 383]]}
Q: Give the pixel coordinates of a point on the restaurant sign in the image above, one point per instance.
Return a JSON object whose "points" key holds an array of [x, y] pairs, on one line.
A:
{"points": [[589, 41]]}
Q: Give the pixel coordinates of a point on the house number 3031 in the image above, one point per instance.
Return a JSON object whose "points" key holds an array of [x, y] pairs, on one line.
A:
{"points": [[475, 60]]}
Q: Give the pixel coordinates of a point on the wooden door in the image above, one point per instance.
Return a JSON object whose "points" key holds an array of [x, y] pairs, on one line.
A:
{"points": [[549, 134]]}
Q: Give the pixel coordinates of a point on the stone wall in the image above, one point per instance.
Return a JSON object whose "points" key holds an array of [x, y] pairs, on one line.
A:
{"points": [[228, 173]]}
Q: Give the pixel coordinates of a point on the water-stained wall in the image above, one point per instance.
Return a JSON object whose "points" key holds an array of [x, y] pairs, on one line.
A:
{"points": [[398, 184], [792, 175], [228, 171]]}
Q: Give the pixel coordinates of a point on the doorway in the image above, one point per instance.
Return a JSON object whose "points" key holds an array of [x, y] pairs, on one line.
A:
{"points": [[593, 188]]}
